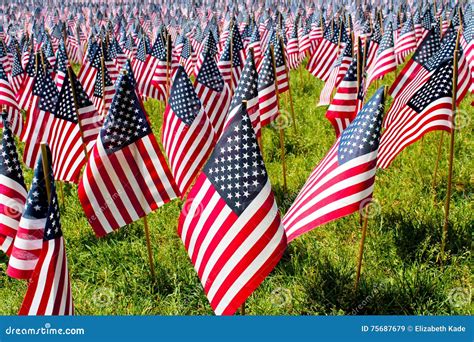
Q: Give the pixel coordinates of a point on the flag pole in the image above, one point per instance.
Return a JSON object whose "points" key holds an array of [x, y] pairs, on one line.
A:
{"points": [[289, 87], [435, 173], [148, 247], [102, 66], [47, 181], [451, 153], [365, 215], [282, 134], [231, 53], [168, 67]]}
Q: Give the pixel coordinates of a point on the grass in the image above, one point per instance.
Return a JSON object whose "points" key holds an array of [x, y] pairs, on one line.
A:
{"points": [[400, 273]]}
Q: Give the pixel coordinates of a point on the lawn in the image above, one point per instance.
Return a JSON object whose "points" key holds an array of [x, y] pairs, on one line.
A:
{"points": [[400, 273]]}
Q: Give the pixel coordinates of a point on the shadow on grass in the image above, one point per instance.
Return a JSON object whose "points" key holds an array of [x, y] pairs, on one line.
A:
{"points": [[414, 290]]}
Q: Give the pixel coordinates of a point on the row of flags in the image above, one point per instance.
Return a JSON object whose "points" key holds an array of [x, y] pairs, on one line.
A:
{"points": [[220, 84]]}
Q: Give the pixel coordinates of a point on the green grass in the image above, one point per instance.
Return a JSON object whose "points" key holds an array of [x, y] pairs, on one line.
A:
{"points": [[400, 273]]}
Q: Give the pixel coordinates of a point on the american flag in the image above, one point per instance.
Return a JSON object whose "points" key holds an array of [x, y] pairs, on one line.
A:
{"points": [[104, 91], [280, 63], [337, 74], [247, 90], [467, 43], [231, 60], [292, 48], [28, 241], [160, 65], [209, 47], [126, 176], [60, 68], [428, 110], [343, 182], [49, 289], [323, 58], [213, 92], [372, 46], [406, 41], [187, 57], [385, 59], [25, 92], [267, 94], [8, 101], [39, 118], [231, 227], [343, 107], [68, 146], [12, 189], [429, 47], [446, 51], [188, 137], [255, 44], [17, 75], [88, 73]]}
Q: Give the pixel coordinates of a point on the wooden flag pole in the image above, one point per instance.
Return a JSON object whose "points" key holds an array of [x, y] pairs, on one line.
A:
{"points": [[438, 157], [102, 67], [45, 161], [282, 133], [361, 247], [168, 67], [231, 56], [451, 154], [293, 118], [148, 247]]}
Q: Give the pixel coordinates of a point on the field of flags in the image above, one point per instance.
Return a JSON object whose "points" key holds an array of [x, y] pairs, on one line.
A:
{"points": [[198, 128]]}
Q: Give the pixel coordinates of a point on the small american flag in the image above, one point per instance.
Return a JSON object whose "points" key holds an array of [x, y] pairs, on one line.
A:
{"points": [[428, 110], [25, 92], [29, 237], [337, 74], [39, 117], [247, 90], [406, 41], [213, 92], [49, 289], [188, 136], [446, 51], [68, 136], [344, 179], [323, 58], [385, 60], [267, 97], [342, 109], [8, 100], [160, 66], [17, 74], [12, 189], [429, 46], [126, 176], [280, 63], [292, 48], [231, 227]]}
